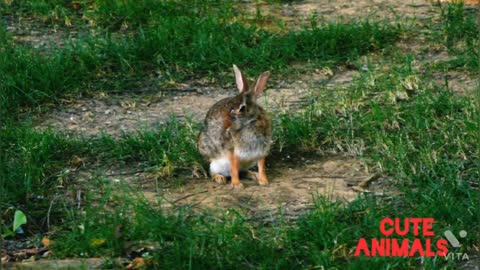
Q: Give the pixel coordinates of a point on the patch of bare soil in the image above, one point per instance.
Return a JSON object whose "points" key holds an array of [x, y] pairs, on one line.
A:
{"points": [[293, 184], [460, 82], [65, 264], [457, 82], [114, 115], [427, 56], [290, 192], [299, 13], [117, 114], [37, 35]]}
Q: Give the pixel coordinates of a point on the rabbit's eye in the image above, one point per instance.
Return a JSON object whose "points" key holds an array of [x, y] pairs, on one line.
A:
{"points": [[242, 108]]}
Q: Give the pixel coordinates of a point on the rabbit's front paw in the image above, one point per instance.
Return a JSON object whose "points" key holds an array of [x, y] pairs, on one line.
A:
{"points": [[220, 179], [263, 180], [237, 186]]}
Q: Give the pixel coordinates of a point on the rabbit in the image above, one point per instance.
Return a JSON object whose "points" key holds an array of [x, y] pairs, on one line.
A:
{"points": [[237, 133]]}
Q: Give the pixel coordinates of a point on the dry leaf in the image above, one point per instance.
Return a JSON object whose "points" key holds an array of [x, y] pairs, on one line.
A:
{"points": [[46, 242], [76, 6], [96, 243], [137, 263], [77, 162]]}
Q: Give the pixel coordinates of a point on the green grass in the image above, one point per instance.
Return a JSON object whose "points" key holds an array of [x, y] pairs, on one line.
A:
{"points": [[422, 137], [436, 178], [34, 163], [461, 36], [184, 44]]}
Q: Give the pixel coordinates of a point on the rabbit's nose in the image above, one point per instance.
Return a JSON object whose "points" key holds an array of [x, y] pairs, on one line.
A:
{"points": [[234, 112]]}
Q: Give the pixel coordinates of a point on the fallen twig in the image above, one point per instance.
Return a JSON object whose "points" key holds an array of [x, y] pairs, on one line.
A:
{"points": [[126, 173], [79, 199], [190, 195], [319, 176], [50, 210], [367, 181]]}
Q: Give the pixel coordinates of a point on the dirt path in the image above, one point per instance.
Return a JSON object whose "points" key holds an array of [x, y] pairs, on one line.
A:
{"points": [[299, 13], [115, 115], [293, 183], [290, 190]]}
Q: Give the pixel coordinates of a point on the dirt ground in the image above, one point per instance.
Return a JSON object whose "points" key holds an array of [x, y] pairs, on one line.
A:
{"points": [[292, 185], [300, 12]]}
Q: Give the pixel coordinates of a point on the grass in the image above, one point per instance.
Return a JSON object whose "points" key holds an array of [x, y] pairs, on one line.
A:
{"points": [[460, 35], [183, 44], [41, 160], [422, 136]]}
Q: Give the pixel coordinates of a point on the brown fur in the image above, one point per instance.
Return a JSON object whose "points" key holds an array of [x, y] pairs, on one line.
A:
{"points": [[238, 128]]}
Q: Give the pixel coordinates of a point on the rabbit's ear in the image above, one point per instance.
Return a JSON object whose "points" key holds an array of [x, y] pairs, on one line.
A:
{"points": [[242, 84], [261, 83]]}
